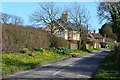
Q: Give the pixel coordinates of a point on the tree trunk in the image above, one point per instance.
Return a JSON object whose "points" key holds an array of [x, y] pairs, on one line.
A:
{"points": [[79, 47]]}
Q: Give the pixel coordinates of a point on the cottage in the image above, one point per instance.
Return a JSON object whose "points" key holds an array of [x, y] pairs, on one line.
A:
{"points": [[96, 38], [65, 29]]}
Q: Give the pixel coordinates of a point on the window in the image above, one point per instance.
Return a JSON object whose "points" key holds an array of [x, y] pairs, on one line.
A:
{"points": [[59, 33]]}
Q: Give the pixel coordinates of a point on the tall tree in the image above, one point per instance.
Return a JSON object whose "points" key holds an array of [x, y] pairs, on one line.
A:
{"points": [[80, 18], [106, 30], [10, 19], [110, 11], [45, 15]]}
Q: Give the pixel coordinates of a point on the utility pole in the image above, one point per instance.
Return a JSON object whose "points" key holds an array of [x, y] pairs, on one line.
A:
{"points": [[105, 37], [87, 32]]}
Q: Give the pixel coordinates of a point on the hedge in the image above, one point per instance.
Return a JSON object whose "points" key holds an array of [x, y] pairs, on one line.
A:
{"points": [[15, 38]]}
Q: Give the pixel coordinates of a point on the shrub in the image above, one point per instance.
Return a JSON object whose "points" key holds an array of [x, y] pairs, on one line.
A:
{"points": [[15, 38], [73, 55], [30, 54], [65, 49], [84, 45], [38, 49], [58, 42], [110, 44], [25, 50]]}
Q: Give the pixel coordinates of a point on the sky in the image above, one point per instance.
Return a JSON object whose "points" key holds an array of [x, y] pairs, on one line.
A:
{"points": [[24, 10]]}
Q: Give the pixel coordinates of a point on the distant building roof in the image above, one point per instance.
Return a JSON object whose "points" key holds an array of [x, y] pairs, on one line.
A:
{"points": [[62, 22], [95, 35]]}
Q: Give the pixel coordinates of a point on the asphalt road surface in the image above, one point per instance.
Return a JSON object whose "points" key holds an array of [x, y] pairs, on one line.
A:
{"points": [[83, 66]]}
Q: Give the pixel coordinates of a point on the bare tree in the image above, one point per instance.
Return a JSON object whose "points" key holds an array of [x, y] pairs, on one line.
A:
{"points": [[80, 18], [79, 15], [17, 20], [4, 18], [44, 15], [10, 19]]}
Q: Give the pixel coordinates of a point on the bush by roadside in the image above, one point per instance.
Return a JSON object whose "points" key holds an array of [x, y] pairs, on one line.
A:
{"points": [[15, 38], [110, 44], [58, 42]]}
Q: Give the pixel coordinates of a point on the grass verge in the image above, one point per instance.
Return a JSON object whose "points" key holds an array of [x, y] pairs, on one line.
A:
{"points": [[108, 69], [14, 62], [84, 51]]}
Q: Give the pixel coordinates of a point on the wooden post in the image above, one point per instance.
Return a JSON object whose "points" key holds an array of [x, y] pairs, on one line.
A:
{"points": [[117, 51], [69, 45]]}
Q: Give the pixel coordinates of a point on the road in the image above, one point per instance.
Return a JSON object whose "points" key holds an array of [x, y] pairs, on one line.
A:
{"points": [[83, 66]]}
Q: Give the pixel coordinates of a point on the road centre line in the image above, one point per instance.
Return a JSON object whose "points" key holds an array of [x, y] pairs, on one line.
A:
{"points": [[71, 64], [84, 76], [64, 69], [58, 72]]}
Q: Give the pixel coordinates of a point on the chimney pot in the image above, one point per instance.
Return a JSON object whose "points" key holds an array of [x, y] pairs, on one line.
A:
{"points": [[94, 31], [65, 15]]}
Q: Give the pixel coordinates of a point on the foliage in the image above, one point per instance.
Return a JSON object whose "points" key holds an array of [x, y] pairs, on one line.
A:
{"points": [[106, 30], [30, 54], [110, 11], [84, 45], [25, 50], [39, 49], [15, 38], [65, 50], [110, 44], [17, 61], [108, 69], [90, 42], [58, 42]]}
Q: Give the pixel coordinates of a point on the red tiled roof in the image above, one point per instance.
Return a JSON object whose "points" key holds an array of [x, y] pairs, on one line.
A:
{"points": [[94, 35], [97, 35]]}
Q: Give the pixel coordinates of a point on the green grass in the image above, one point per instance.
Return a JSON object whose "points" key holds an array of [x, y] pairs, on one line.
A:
{"points": [[83, 51], [108, 69], [23, 61]]}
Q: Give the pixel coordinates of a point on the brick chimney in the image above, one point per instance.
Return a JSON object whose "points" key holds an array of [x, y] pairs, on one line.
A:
{"points": [[94, 31], [65, 15]]}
